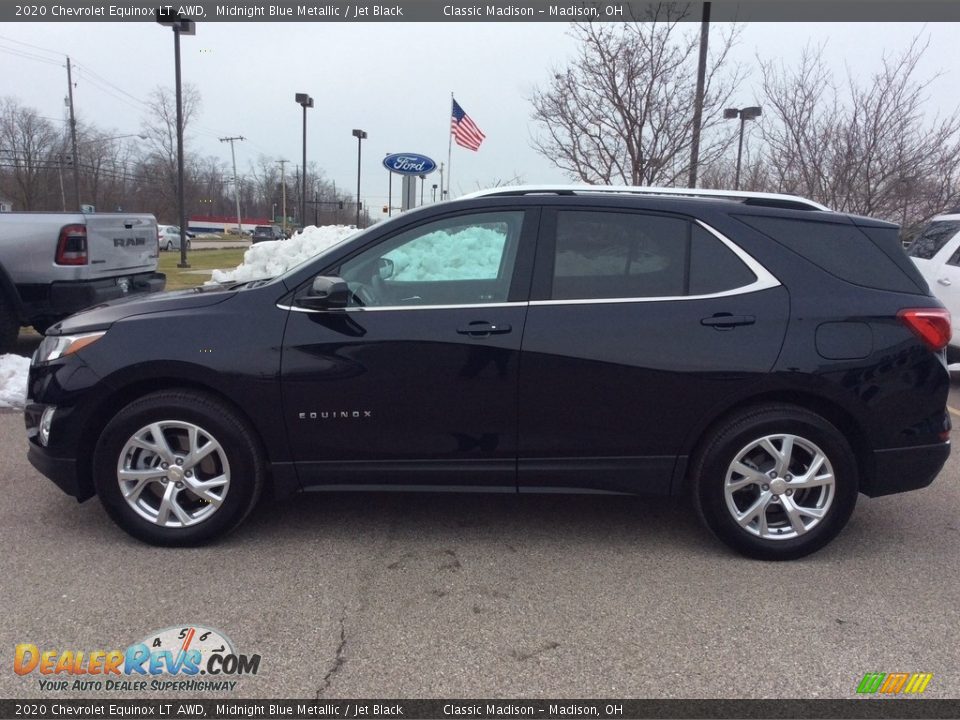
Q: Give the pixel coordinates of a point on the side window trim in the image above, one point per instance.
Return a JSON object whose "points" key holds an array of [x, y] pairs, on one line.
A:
{"points": [[764, 278]]}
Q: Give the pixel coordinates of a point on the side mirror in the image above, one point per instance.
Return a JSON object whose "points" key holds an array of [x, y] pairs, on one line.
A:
{"points": [[385, 268], [326, 293]]}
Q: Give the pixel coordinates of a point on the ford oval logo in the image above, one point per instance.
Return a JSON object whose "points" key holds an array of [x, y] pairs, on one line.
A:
{"points": [[409, 164]]}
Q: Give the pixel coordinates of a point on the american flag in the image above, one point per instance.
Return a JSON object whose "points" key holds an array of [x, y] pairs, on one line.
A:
{"points": [[464, 130]]}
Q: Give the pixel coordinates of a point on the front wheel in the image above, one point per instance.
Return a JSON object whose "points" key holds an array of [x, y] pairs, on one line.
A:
{"points": [[178, 468], [169, 245], [775, 482]]}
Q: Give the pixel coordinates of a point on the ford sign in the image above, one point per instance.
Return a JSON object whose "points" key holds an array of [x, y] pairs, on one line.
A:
{"points": [[409, 164]]}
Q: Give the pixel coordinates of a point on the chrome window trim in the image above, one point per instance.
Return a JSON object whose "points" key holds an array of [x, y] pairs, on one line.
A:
{"points": [[382, 308], [764, 281]]}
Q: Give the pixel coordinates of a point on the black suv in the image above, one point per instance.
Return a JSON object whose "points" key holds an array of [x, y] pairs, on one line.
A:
{"points": [[768, 357], [267, 232]]}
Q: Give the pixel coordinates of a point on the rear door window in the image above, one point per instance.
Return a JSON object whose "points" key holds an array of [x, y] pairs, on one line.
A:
{"points": [[601, 254]]}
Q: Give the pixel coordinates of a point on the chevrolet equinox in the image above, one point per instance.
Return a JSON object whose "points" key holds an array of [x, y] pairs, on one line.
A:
{"points": [[765, 356]]}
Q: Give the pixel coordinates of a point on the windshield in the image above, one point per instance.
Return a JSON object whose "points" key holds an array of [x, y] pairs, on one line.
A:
{"points": [[310, 252]]}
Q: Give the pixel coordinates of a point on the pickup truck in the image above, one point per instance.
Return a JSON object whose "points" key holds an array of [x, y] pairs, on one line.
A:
{"points": [[53, 264]]}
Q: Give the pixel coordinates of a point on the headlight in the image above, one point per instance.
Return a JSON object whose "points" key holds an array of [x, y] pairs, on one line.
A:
{"points": [[43, 432], [56, 346]]}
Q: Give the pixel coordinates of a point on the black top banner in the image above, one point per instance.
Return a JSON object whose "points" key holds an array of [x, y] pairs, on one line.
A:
{"points": [[477, 709], [500, 10]]}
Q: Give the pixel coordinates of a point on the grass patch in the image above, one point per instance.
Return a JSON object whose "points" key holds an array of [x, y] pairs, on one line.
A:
{"points": [[182, 278]]}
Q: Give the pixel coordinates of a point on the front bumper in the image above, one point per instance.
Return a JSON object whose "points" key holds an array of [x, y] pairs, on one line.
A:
{"points": [[904, 469], [63, 472]]}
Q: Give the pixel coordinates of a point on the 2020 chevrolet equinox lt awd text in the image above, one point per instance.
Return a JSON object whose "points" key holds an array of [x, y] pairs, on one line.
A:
{"points": [[766, 356]]}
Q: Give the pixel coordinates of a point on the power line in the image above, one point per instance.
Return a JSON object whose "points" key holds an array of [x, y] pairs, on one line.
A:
{"points": [[35, 47], [28, 56], [97, 76]]}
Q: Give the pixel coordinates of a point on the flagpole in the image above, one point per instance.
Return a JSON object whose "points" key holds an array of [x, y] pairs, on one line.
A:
{"points": [[449, 147]]}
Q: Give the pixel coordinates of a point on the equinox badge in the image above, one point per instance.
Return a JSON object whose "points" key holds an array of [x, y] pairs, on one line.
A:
{"points": [[336, 415]]}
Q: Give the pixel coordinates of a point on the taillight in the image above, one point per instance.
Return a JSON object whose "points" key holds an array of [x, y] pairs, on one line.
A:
{"points": [[72, 245], [932, 325]]}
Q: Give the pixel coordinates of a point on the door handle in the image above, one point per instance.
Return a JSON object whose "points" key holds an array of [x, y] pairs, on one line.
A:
{"points": [[726, 321], [481, 328], [944, 281]]}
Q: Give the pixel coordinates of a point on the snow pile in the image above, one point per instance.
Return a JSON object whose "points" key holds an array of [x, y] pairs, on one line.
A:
{"points": [[470, 254], [274, 257], [13, 380]]}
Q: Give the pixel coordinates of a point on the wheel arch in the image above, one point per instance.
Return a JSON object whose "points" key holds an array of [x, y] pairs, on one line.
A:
{"points": [[278, 481], [851, 429]]}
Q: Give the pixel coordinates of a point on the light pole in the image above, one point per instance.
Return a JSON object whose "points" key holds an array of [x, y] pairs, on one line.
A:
{"points": [[181, 26], [434, 197], [305, 102], [747, 113], [360, 135]]}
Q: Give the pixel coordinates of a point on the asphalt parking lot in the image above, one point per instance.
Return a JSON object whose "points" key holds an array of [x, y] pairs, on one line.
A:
{"points": [[493, 596]]}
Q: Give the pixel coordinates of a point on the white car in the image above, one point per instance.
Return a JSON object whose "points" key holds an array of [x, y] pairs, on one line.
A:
{"points": [[936, 253], [168, 237]]}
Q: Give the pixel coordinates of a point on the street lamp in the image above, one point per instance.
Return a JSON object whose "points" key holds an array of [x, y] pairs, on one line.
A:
{"points": [[305, 102], [747, 113], [360, 135], [181, 26]]}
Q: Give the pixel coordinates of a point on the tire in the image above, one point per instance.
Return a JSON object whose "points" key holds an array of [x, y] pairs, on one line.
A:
{"points": [[9, 325], [169, 245], [795, 520], [164, 508]]}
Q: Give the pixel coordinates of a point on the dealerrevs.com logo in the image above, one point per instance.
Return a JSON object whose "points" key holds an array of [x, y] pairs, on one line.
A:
{"points": [[894, 683], [186, 658]]}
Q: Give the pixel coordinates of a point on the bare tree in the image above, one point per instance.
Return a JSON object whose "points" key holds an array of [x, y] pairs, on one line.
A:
{"points": [[29, 146], [160, 128], [863, 147], [622, 110]]}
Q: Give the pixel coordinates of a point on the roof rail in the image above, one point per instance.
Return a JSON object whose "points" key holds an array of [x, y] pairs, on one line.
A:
{"points": [[749, 198]]}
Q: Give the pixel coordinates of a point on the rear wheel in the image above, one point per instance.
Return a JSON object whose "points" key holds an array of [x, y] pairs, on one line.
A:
{"points": [[776, 482], [178, 468]]}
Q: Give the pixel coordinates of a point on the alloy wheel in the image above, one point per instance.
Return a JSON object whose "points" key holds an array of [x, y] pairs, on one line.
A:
{"points": [[174, 474], [779, 487]]}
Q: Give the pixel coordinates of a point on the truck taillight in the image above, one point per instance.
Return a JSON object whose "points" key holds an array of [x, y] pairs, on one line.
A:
{"points": [[932, 325], [72, 245]]}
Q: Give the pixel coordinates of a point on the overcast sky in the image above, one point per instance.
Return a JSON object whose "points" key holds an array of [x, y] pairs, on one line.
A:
{"points": [[392, 80]]}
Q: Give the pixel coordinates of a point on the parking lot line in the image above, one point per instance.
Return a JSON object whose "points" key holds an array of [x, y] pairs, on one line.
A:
{"points": [[954, 411]]}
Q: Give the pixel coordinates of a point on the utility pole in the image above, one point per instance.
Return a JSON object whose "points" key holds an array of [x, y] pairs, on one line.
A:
{"points": [[73, 138], [236, 181], [698, 101], [283, 191], [301, 193]]}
